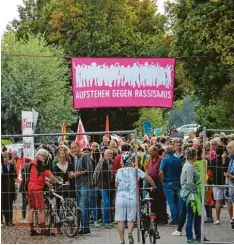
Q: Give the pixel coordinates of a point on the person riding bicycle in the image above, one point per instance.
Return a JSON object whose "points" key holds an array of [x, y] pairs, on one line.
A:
{"points": [[126, 198], [37, 181]]}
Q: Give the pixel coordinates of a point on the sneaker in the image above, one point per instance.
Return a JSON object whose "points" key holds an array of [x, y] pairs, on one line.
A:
{"points": [[172, 224], [34, 233], [205, 240], [83, 231], [47, 233], [106, 226], [24, 221], [217, 222], [59, 231], [96, 224], [232, 221], [130, 238], [192, 240], [209, 220], [177, 233]]}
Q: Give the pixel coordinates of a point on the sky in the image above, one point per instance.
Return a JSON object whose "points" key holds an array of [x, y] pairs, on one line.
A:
{"points": [[8, 11]]}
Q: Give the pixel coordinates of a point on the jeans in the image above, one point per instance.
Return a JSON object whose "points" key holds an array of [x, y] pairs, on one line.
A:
{"points": [[192, 220], [24, 205], [182, 215], [82, 197], [105, 206], [172, 193], [93, 203], [208, 211], [159, 205]]}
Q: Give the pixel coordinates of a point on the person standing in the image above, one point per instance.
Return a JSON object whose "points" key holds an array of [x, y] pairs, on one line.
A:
{"points": [[8, 187], [191, 195], [93, 191], [126, 198], [230, 176], [159, 205], [83, 179], [170, 170], [38, 174], [102, 178]]}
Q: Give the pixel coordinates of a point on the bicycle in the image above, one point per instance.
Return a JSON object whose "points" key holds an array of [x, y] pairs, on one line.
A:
{"points": [[148, 224], [67, 217]]}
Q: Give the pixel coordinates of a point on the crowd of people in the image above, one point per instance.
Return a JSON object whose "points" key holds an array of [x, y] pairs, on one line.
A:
{"points": [[103, 181]]}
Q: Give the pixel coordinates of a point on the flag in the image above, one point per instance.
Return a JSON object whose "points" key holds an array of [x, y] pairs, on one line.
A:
{"points": [[64, 130], [82, 140], [107, 128]]}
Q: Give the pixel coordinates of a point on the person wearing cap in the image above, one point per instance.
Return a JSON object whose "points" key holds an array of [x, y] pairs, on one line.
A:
{"points": [[126, 198], [103, 179], [170, 170], [38, 174]]}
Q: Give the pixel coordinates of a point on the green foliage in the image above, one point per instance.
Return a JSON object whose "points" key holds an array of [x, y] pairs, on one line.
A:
{"points": [[204, 28], [6, 142], [182, 113], [123, 28], [31, 82], [155, 115]]}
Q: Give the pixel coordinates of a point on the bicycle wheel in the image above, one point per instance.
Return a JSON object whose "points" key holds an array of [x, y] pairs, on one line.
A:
{"points": [[142, 226], [70, 216]]}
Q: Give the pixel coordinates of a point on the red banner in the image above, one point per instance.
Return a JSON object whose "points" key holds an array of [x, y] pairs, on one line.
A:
{"points": [[107, 128], [81, 139]]}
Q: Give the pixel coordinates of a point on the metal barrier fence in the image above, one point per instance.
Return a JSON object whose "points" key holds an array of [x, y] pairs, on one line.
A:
{"points": [[45, 138], [211, 176]]}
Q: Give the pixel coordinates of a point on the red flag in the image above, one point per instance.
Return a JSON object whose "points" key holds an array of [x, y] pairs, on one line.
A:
{"points": [[107, 128], [64, 130], [81, 139]]}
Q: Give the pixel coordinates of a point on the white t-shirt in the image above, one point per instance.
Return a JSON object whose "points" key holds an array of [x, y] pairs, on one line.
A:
{"points": [[126, 178]]}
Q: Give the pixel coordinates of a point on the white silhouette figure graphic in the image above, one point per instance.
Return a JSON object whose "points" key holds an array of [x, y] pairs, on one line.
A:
{"points": [[116, 75]]}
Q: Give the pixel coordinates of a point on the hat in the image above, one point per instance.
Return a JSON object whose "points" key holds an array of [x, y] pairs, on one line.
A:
{"points": [[42, 152]]}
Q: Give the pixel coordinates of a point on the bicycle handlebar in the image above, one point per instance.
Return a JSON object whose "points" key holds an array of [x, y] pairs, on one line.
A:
{"points": [[148, 189]]}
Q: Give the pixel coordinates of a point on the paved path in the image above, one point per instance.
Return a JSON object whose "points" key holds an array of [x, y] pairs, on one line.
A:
{"points": [[20, 234], [215, 233]]}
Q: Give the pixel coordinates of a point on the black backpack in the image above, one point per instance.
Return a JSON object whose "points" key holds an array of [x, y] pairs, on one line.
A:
{"points": [[25, 172]]}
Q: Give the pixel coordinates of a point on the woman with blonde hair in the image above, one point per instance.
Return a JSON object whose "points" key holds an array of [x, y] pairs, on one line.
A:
{"points": [[114, 148], [62, 171]]}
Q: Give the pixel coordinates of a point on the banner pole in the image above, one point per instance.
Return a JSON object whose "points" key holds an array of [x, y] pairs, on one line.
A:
{"points": [[203, 183], [137, 188]]}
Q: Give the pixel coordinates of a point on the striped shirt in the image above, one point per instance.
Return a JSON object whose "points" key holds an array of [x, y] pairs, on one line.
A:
{"points": [[188, 179]]}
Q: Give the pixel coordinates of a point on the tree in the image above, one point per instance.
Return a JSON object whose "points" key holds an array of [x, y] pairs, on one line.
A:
{"points": [[33, 82], [155, 115], [204, 28], [182, 113], [105, 28]]}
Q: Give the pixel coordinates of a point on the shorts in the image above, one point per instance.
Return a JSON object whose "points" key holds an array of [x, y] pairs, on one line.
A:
{"points": [[231, 190], [125, 208], [36, 200], [220, 193]]}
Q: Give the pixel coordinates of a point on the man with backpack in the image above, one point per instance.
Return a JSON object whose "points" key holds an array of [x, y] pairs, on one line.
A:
{"points": [[34, 184]]}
